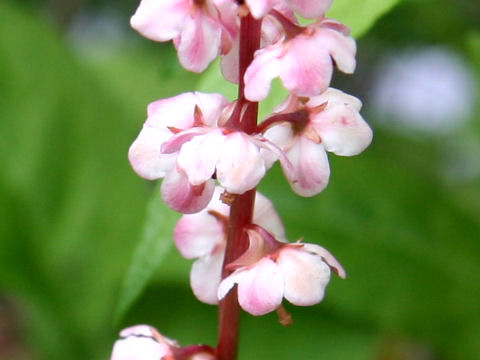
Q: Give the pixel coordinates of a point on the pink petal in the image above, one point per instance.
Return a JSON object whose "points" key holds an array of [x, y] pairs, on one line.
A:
{"points": [[260, 73], [198, 234], [240, 166], [205, 276], [199, 42], [265, 215], [211, 106], [335, 96], [342, 48], [160, 20], [310, 163], [228, 16], [229, 64], [327, 257], [145, 155], [260, 290], [306, 276], [259, 8], [306, 66], [342, 130], [176, 111], [175, 143], [310, 9], [198, 157], [181, 196]]}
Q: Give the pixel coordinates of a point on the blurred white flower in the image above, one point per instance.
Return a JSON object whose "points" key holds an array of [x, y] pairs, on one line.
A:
{"points": [[428, 90]]}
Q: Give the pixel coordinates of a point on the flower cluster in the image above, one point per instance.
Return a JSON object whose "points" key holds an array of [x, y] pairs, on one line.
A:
{"points": [[211, 152]]}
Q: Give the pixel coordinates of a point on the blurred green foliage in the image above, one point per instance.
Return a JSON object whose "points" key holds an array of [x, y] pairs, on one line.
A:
{"points": [[72, 212]]}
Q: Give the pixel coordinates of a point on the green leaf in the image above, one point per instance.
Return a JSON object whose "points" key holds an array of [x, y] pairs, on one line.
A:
{"points": [[360, 15], [155, 243]]}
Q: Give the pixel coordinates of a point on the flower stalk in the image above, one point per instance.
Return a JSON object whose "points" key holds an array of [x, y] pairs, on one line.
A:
{"points": [[241, 210]]}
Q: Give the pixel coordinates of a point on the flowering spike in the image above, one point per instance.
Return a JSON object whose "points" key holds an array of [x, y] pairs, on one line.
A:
{"points": [[196, 140]]}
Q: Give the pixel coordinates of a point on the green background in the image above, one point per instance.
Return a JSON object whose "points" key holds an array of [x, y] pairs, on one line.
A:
{"points": [[86, 246]]}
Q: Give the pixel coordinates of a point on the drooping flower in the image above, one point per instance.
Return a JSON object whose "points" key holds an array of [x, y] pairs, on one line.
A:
{"points": [[203, 236], [183, 142], [143, 342], [305, 129], [165, 118], [200, 29], [303, 59], [271, 270]]}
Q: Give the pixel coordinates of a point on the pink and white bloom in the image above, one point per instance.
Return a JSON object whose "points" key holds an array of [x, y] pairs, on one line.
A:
{"points": [[200, 29], [309, 9], [189, 112], [305, 131], [182, 142], [271, 270], [203, 236], [303, 59], [143, 342]]}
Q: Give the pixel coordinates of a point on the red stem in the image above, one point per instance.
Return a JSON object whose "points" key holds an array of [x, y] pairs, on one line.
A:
{"points": [[241, 210]]}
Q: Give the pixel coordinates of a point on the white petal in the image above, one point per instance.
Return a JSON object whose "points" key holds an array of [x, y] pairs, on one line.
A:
{"points": [[281, 135], [306, 276], [229, 282], [138, 348], [328, 257], [138, 330], [241, 165], [176, 111], [198, 157], [160, 20], [335, 96], [145, 155], [311, 167], [205, 276], [342, 48], [342, 130]]}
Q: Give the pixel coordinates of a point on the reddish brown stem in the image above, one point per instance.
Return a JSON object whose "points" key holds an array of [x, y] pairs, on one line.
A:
{"points": [[242, 207]]}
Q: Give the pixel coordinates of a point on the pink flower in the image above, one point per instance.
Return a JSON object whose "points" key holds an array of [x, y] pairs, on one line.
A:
{"points": [[305, 131], [303, 60], [271, 270], [200, 29], [190, 114], [203, 236], [143, 342], [307, 8], [181, 141]]}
